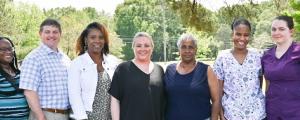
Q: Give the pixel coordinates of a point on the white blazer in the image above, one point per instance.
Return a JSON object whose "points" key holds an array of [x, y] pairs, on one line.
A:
{"points": [[82, 82]]}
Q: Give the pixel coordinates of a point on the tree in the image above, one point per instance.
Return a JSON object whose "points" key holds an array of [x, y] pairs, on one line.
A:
{"points": [[6, 23], [262, 33], [295, 4], [223, 36], [26, 19], [203, 40], [145, 15], [227, 14], [74, 21], [193, 14]]}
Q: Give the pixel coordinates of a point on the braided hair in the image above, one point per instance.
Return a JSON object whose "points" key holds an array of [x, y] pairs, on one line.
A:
{"points": [[14, 65]]}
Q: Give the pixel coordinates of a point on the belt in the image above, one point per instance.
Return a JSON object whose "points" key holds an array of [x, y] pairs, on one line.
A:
{"points": [[56, 110]]}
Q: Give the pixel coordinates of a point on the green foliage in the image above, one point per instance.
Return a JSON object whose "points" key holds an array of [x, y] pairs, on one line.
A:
{"points": [[228, 13], [26, 18], [223, 37], [262, 33], [74, 21], [147, 15], [21, 23], [203, 38], [193, 14], [6, 23], [295, 4]]}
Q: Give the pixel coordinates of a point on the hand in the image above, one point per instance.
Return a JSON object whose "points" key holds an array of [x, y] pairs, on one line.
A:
{"points": [[222, 118], [41, 117]]}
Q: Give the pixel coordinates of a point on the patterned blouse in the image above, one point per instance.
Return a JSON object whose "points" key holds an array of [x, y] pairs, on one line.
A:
{"points": [[243, 98], [101, 104]]}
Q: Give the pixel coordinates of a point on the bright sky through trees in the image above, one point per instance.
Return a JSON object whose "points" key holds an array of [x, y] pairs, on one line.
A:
{"points": [[109, 6]]}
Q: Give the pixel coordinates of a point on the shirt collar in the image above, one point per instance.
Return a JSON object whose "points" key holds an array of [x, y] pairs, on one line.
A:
{"points": [[88, 58], [48, 50]]}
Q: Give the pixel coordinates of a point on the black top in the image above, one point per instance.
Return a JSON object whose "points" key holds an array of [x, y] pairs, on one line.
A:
{"points": [[141, 95]]}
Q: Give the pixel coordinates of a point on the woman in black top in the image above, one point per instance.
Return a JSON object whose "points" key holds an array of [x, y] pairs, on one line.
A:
{"points": [[137, 86]]}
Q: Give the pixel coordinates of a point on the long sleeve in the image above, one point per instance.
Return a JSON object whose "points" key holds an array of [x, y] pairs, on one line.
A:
{"points": [[74, 90]]}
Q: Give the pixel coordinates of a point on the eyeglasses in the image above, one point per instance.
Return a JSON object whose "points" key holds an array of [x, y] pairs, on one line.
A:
{"points": [[11, 49]]}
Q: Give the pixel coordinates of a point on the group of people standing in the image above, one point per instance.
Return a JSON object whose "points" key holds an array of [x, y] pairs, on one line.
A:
{"points": [[97, 86]]}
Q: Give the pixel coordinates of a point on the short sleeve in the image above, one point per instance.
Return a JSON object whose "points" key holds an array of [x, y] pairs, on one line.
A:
{"points": [[259, 55], [266, 56], [115, 87], [295, 55], [218, 68], [30, 74]]}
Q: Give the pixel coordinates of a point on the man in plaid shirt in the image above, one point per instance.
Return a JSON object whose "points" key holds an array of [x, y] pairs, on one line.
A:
{"points": [[44, 76]]}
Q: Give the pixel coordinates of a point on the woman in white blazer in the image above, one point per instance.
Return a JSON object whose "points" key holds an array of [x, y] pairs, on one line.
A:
{"points": [[90, 75]]}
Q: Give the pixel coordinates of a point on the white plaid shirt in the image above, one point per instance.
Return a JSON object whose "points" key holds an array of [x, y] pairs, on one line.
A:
{"points": [[45, 71]]}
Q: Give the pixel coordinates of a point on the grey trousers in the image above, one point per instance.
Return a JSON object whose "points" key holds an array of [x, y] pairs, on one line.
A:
{"points": [[50, 116]]}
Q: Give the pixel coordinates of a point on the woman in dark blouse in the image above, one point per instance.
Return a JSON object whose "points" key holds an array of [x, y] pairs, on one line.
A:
{"points": [[192, 88], [137, 86], [13, 105]]}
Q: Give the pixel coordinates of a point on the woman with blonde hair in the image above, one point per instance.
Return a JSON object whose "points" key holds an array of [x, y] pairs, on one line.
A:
{"points": [[137, 90]]}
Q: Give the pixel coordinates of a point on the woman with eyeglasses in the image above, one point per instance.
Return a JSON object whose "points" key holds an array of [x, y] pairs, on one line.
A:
{"points": [[13, 105], [90, 75]]}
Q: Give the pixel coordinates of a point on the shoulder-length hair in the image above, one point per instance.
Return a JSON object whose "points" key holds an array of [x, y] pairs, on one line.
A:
{"points": [[14, 63], [81, 41]]}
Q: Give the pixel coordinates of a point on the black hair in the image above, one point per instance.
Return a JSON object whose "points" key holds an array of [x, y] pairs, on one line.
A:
{"points": [[14, 65], [239, 21], [289, 20], [50, 22]]}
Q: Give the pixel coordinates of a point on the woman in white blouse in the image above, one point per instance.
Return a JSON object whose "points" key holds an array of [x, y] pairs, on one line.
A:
{"points": [[90, 75]]}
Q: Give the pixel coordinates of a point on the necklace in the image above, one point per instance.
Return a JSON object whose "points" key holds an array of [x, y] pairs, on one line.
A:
{"points": [[187, 68]]}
